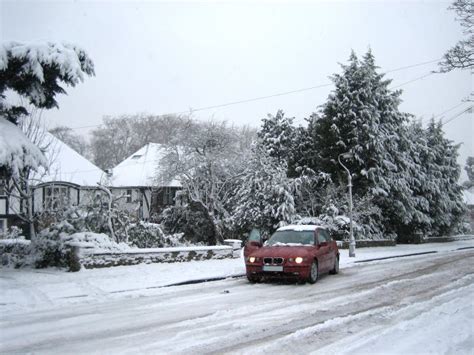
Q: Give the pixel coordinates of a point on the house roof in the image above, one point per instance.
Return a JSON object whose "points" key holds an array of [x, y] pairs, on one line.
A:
{"points": [[141, 168], [67, 165]]}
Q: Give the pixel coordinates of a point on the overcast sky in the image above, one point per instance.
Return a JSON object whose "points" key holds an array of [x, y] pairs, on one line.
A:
{"points": [[166, 57]]}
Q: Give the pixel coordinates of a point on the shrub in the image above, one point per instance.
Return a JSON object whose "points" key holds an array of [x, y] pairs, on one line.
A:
{"points": [[14, 252], [146, 235], [12, 233], [48, 249]]}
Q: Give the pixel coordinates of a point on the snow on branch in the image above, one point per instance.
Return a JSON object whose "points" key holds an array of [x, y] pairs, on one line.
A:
{"points": [[17, 152]]}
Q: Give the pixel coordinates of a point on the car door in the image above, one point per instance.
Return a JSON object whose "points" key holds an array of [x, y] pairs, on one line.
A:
{"points": [[324, 250], [332, 250], [254, 242]]}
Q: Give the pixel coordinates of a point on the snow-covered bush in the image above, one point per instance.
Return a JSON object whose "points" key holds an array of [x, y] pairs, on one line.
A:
{"points": [[146, 235], [48, 249], [14, 252], [12, 233], [151, 235], [193, 221]]}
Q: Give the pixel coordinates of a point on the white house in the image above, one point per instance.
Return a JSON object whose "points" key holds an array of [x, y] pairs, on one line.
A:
{"points": [[60, 174], [136, 179], [69, 176]]}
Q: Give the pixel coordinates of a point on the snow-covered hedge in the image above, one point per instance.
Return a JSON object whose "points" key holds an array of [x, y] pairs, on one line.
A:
{"points": [[14, 252], [98, 250], [156, 255]]}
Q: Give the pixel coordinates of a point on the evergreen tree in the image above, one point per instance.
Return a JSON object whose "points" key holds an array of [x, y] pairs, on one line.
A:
{"points": [[265, 196], [277, 136], [443, 172], [35, 72], [362, 117]]}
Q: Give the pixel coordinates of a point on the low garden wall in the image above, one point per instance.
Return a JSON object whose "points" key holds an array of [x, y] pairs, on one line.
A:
{"points": [[368, 243], [156, 255]]}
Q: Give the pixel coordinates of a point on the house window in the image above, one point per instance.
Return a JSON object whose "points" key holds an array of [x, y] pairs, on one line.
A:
{"points": [[55, 197], [168, 196], [3, 191], [129, 196], [3, 225]]}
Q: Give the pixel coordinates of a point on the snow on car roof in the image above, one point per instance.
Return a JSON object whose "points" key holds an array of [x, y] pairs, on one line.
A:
{"points": [[300, 227]]}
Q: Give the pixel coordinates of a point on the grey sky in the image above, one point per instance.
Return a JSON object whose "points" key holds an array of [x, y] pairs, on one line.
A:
{"points": [[159, 57]]}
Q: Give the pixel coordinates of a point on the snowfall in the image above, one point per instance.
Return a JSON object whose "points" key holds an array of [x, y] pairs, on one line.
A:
{"points": [[417, 304]]}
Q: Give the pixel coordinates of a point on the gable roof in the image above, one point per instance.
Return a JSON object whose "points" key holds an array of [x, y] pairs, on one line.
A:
{"points": [[141, 168], [67, 165]]}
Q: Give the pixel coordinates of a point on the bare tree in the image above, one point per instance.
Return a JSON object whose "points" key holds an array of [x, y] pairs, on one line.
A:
{"points": [[75, 141], [208, 161], [461, 56], [119, 137]]}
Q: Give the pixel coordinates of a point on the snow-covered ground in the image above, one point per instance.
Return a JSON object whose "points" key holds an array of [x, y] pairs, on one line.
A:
{"points": [[418, 304]]}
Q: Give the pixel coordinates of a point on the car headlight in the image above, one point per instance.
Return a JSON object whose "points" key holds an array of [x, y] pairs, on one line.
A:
{"points": [[299, 260], [252, 259]]}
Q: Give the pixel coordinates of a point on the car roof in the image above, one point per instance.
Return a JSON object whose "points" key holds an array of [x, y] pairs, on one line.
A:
{"points": [[301, 227]]}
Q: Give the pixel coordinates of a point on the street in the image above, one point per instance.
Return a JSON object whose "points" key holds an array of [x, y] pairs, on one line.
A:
{"points": [[391, 306]]}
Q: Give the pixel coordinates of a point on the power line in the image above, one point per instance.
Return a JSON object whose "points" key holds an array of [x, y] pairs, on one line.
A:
{"points": [[285, 93], [448, 110], [413, 66], [457, 115], [413, 80]]}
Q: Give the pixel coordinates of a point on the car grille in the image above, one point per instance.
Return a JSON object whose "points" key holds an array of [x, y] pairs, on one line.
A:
{"points": [[273, 261]]}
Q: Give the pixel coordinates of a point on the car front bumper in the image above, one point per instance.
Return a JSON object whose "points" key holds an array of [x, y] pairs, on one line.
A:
{"points": [[289, 271]]}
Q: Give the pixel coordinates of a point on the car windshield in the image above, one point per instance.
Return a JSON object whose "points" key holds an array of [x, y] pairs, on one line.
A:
{"points": [[290, 237]]}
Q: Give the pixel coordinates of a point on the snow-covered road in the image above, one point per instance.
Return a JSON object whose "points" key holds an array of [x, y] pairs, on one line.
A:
{"points": [[421, 304]]}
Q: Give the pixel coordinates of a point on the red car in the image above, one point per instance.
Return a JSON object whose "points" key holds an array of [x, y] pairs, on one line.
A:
{"points": [[301, 252]]}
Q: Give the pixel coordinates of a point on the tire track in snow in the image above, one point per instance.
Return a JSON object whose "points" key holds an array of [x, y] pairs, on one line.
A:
{"points": [[200, 319]]}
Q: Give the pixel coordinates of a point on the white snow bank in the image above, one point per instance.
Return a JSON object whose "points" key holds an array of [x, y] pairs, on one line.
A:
{"points": [[94, 243], [17, 151]]}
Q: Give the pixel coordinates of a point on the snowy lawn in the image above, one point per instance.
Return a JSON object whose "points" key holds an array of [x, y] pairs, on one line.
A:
{"points": [[37, 289]]}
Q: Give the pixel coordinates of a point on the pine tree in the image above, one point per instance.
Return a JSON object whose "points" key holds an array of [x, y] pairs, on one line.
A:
{"points": [[277, 136], [446, 204], [265, 196], [361, 116]]}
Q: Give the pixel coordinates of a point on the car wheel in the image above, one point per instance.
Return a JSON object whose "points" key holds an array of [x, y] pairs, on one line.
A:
{"points": [[313, 273], [335, 269], [252, 279]]}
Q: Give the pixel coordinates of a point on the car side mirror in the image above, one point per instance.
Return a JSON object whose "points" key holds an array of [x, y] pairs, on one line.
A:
{"points": [[323, 244], [254, 243]]}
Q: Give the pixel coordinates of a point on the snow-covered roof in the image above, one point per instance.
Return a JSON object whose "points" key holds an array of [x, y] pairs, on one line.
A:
{"points": [[67, 165], [300, 227], [468, 196], [141, 168], [16, 150]]}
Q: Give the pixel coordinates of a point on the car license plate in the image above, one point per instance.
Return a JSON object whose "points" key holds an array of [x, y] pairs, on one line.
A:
{"points": [[272, 268]]}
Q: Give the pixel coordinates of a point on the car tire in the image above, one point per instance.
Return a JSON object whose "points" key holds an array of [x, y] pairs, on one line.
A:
{"points": [[252, 279], [313, 273], [335, 269]]}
